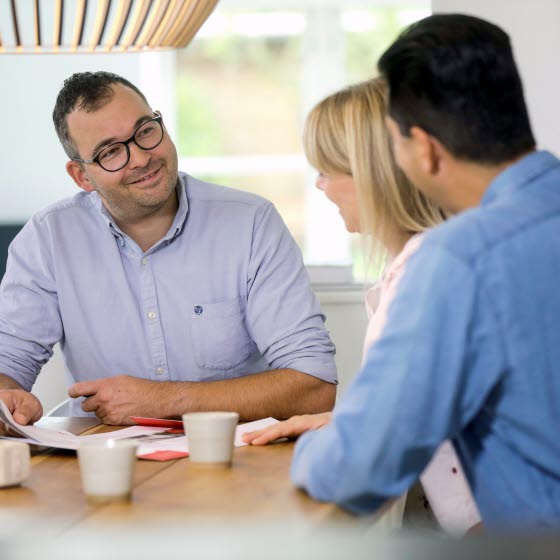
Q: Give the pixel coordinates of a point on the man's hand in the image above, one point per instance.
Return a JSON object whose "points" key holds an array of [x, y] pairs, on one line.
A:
{"points": [[115, 399], [291, 428], [24, 406]]}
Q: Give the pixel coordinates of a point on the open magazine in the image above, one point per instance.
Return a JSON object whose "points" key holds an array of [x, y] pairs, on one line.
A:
{"points": [[155, 443]]}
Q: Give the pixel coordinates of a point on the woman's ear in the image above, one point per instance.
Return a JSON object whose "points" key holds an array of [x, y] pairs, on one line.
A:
{"points": [[78, 174]]}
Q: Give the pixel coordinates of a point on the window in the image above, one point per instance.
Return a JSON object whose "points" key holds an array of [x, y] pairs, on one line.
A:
{"points": [[246, 83]]}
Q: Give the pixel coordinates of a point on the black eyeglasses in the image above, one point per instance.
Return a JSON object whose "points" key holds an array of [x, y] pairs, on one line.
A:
{"points": [[115, 156]]}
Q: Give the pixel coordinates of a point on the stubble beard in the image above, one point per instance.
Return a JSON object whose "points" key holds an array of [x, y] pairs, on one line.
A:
{"points": [[127, 205]]}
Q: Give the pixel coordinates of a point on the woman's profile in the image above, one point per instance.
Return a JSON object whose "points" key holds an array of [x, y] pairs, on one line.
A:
{"points": [[345, 139]]}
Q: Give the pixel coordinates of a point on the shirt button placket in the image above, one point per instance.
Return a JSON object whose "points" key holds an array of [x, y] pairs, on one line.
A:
{"points": [[157, 347]]}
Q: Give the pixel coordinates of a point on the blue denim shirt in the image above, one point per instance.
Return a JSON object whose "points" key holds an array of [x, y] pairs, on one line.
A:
{"points": [[222, 295], [470, 352]]}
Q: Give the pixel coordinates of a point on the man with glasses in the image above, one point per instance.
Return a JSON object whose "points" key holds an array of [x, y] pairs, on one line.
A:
{"points": [[167, 294]]}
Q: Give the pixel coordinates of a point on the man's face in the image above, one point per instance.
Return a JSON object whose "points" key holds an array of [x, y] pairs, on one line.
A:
{"points": [[148, 180], [415, 155]]}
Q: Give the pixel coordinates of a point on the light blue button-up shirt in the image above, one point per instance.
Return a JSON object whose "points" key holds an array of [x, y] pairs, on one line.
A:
{"points": [[470, 352], [222, 295]]}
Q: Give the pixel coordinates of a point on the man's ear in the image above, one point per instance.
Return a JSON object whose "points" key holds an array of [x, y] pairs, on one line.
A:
{"points": [[78, 174], [427, 150]]}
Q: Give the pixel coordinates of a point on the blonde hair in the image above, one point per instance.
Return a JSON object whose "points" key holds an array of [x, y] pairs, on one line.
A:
{"points": [[346, 133]]}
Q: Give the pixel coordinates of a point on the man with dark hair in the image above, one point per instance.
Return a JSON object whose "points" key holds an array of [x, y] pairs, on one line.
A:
{"points": [[479, 116], [166, 294], [470, 351]]}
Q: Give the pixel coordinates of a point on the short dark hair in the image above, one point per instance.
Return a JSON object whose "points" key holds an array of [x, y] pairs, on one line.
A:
{"points": [[454, 76], [88, 91]]}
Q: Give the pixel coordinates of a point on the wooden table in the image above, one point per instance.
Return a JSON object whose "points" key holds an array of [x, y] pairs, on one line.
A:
{"points": [[249, 512], [257, 488]]}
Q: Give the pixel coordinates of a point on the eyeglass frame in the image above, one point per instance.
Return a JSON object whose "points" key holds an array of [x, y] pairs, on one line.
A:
{"points": [[158, 119]]}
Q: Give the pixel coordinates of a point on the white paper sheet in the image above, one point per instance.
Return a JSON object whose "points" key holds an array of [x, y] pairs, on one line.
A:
{"points": [[180, 444], [150, 439]]}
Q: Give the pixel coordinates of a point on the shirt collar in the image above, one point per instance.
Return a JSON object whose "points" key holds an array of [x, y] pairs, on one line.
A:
{"points": [[182, 211], [174, 230], [519, 174], [108, 219]]}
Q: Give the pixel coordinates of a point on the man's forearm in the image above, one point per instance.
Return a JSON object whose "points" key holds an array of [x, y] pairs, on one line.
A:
{"points": [[279, 393], [6, 382]]}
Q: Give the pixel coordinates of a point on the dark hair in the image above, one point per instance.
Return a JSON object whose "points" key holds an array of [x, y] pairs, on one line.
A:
{"points": [[455, 77], [87, 91]]}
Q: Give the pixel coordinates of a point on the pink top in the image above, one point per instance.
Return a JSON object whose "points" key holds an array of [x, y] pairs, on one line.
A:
{"points": [[443, 479], [382, 293]]}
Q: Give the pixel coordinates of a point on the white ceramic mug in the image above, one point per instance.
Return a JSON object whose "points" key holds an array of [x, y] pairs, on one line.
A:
{"points": [[15, 462], [210, 436], [107, 469]]}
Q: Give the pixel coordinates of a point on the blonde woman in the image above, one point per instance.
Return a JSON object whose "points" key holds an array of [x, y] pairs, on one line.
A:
{"points": [[346, 140]]}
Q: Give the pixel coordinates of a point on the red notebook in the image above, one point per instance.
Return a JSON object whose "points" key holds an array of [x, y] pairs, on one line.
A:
{"points": [[158, 422]]}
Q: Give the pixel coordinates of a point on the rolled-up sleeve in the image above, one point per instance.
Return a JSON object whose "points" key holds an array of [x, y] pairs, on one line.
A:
{"points": [[30, 323], [283, 316], [425, 378]]}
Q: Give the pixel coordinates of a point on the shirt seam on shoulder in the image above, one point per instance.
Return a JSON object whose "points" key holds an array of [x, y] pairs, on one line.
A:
{"points": [[71, 205], [257, 201], [488, 245], [519, 231]]}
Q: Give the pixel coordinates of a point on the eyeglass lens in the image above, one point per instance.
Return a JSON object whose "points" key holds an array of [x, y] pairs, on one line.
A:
{"points": [[116, 156]]}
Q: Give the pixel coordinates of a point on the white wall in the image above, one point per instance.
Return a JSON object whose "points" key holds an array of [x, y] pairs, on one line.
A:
{"points": [[534, 28], [51, 386], [346, 322]]}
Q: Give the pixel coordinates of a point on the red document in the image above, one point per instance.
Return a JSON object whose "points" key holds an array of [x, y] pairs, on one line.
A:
{"points": [[158, 422]]}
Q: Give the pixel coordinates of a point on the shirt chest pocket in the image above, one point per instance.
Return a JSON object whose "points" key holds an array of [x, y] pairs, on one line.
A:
{"points": [[220, 338]]}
